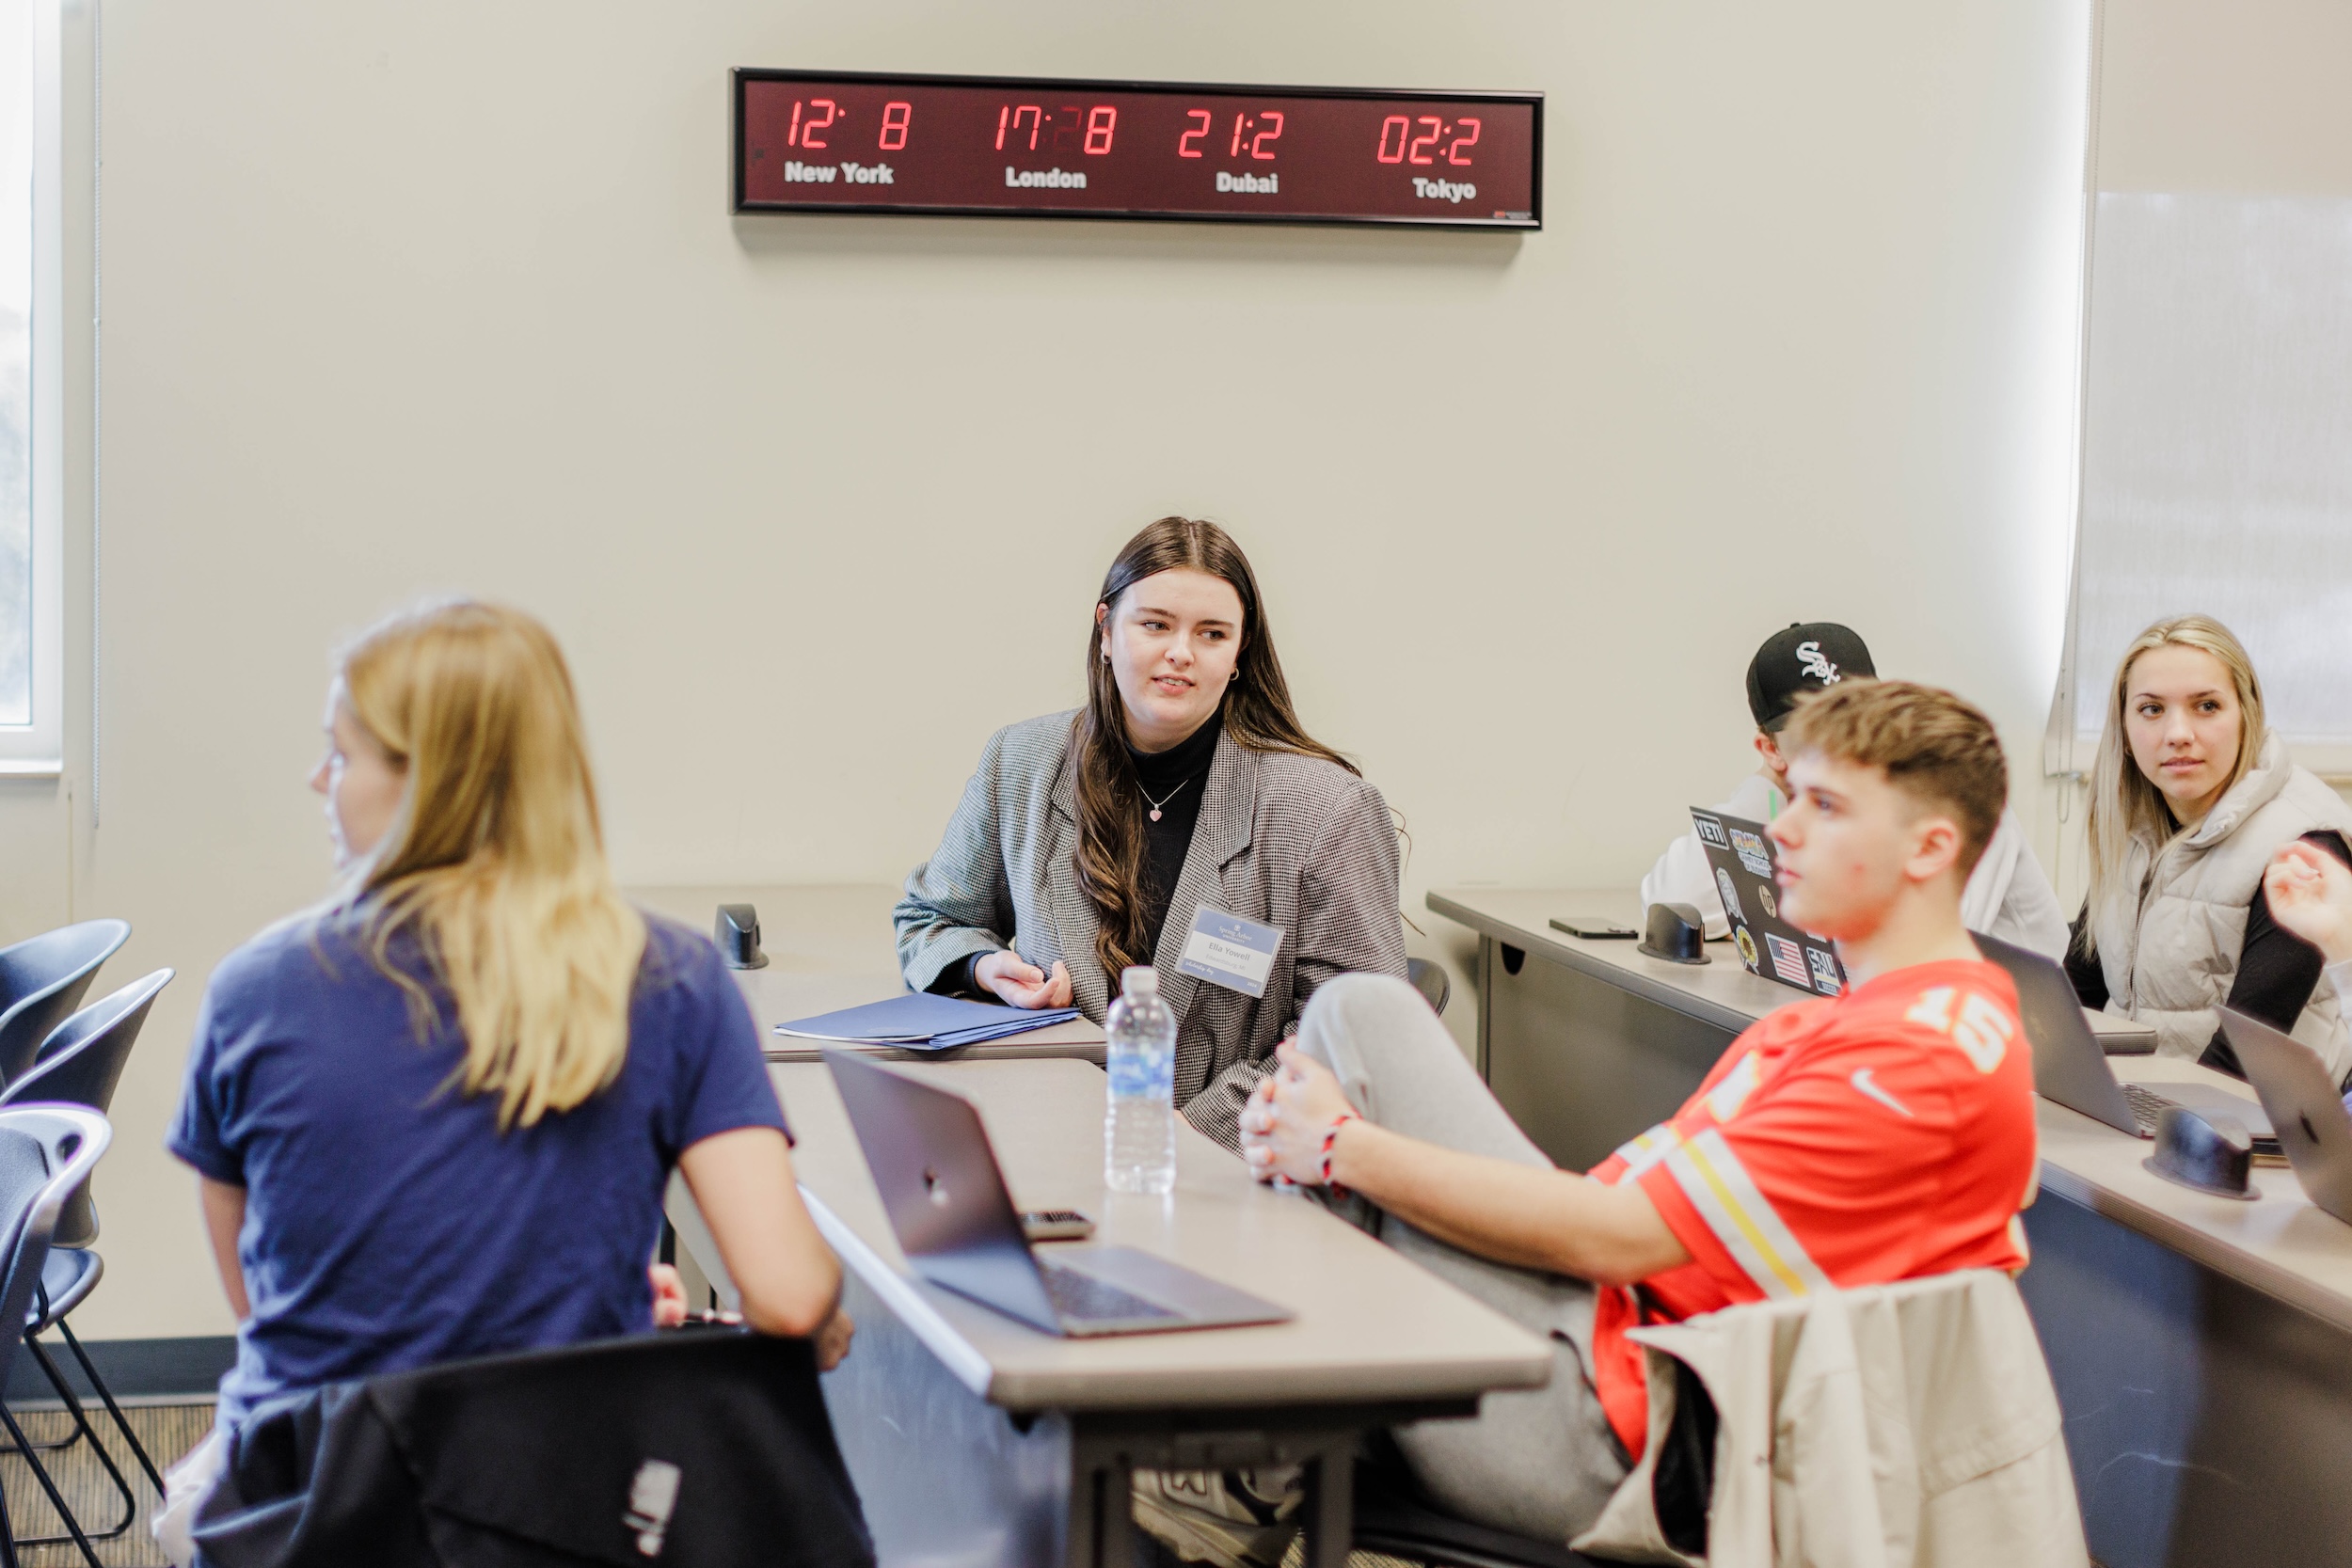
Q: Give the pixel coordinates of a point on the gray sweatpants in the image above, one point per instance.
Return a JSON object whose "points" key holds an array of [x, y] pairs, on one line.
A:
{"points": [[1540, 1463]]}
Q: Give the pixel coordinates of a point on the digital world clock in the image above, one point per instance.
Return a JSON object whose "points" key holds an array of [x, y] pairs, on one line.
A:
{"points": [[998, 147]]}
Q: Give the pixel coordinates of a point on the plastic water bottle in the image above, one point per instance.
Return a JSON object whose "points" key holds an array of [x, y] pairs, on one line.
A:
{"points": [[1139, 1128]]}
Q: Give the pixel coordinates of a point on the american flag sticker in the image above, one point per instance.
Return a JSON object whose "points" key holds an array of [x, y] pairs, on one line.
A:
{"points": [[1789, 960]]}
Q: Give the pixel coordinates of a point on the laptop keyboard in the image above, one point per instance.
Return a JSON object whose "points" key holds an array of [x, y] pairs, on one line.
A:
{"points": [[2146, 1104], [1082, 1298]]}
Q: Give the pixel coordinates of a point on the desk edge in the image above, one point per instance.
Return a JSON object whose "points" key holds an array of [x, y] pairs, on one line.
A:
{"points": [[1564, 951]]}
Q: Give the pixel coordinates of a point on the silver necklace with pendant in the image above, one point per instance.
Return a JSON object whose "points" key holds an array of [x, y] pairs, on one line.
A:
{"points": [[1163, 800]]}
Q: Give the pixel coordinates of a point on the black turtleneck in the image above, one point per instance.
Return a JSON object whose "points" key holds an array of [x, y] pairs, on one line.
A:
{"points": [[1176, 779]]}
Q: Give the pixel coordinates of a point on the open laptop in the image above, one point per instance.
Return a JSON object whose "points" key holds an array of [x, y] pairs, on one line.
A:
{"points": [[2303, 1103], [1741, 857], [2070, 1067], [946, 1196]]}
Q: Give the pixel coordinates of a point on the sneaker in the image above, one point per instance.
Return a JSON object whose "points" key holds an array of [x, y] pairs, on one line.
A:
{"points": [[1233, 1518]]}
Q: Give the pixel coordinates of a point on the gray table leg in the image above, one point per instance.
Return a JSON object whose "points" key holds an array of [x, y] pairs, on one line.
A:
{"points": [[1330, 1510]]}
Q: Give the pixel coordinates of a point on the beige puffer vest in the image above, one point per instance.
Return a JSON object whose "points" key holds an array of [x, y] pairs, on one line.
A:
{"points": [[2170, 961]]}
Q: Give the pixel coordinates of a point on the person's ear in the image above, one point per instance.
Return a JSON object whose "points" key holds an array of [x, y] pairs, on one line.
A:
{"points": [[1768, 748], [1103, 629], [1936, 841]]}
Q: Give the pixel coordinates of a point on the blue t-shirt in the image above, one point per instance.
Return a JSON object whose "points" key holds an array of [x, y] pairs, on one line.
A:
{"points": [[389, 1224]]}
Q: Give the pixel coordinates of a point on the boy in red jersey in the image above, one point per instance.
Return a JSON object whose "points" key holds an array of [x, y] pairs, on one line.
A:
{"points": [[1883, 1135]]}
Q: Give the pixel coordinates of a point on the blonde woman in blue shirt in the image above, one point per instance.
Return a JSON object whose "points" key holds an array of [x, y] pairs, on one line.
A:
{"points": [[434, 1117]]}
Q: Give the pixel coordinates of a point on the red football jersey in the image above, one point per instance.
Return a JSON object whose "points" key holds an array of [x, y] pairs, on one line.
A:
{"points": [[1879, 1135]]}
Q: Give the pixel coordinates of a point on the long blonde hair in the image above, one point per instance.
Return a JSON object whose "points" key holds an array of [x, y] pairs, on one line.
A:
{"points": [[2125, 803], [496, 856]]}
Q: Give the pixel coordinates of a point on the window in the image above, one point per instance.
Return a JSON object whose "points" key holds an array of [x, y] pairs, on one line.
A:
{"points": [[31, 447], [2216, 438]]}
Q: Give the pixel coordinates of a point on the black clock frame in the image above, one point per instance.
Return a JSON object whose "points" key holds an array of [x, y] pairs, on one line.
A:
{"points": [[743, 75]]}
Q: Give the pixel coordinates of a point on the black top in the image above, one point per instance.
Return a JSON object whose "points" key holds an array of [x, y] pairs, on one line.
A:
{"points": [[2276, 969], [1174, 780]]}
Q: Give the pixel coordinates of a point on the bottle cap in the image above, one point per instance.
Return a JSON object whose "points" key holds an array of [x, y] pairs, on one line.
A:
{"points": [[1140, 981]]}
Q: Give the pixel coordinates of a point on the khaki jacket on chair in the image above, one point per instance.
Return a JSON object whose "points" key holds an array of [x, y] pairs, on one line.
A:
{"points": [[1898, 1426]]}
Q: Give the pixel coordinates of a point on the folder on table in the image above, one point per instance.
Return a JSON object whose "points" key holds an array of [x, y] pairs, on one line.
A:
{"points": [[921, 1022]]}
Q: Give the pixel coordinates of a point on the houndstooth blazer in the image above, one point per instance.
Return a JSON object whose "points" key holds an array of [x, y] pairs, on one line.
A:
{"points": [[1289, 840]]}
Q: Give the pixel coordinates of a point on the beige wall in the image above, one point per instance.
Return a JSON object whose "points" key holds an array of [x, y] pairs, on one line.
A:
{"points": [[2247, 98], [433, 296]]}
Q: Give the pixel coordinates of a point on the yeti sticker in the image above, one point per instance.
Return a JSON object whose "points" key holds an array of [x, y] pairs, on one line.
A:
{"points": [[1710, 831], [1752, 853]]}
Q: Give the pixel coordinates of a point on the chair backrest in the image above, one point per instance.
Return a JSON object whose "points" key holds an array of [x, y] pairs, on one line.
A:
{"points": [[698, 1445], [80, 1064], [43, 979], [46, 1151], [1429, 978]]}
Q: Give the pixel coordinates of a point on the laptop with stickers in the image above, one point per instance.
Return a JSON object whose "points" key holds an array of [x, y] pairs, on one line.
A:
{"points": [[1741, 857]]}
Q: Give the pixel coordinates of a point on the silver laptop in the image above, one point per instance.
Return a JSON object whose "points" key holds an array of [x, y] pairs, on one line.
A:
{"points": [[2070, 1067], [946, 1196], [2303, 1103]]}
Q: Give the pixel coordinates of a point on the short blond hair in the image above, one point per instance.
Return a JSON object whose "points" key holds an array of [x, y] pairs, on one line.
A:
{"points": [[1932, 745]]}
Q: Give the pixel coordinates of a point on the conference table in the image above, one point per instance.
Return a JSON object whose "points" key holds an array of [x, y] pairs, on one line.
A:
{"points": [[2201, 1346], [830, 948], [978, 1441]]}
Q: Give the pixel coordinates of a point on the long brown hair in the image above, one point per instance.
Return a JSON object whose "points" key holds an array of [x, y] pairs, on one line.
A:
{"points": [[1255, 710]]}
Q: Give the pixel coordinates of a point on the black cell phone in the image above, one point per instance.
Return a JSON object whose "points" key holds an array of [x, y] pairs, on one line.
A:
{"points": [[1592, 929], [1055, 1225]]}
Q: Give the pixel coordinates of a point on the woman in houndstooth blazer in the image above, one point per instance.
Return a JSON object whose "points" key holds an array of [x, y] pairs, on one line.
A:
{"points": [[1087, 840]]}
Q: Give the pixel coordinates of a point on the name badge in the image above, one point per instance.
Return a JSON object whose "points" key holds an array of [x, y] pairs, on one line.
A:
{"points": [[1229, 951]]}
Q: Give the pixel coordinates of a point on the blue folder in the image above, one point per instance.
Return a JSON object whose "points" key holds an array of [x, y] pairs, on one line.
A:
{"points": [[921, 1022]]}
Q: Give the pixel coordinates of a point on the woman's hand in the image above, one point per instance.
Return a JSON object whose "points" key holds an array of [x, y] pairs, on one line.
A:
{"points": [[669, 1295], [1288, 1114], [2311, 894], [833, 1340], [1021, 983]]}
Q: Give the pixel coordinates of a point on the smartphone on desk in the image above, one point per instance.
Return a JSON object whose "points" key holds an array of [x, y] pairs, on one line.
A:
{"points": [[1592, 929], [1055, 1225]]}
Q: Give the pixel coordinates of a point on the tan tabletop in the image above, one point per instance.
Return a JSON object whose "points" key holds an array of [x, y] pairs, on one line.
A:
{"points": [[2283, 1244], [1370, 1326], [1720, 991], [830, 948]]}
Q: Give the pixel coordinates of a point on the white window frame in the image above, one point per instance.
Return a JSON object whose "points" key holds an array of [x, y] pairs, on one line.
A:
{"points": [[38, 748]]}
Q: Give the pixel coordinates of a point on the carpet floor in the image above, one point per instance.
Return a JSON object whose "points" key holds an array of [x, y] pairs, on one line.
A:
{"points": [[166, 1431]]}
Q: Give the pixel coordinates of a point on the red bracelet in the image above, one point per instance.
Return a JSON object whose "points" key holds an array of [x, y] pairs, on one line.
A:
{"points": [[1330, 1135]]}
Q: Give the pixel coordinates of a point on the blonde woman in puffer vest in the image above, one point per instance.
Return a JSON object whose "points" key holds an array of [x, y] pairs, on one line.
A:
{"points": [[2191, 797]]}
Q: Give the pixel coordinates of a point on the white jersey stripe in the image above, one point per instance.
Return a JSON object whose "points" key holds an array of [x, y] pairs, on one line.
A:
{"points": [[1719, 1187], [1647, 1149]]}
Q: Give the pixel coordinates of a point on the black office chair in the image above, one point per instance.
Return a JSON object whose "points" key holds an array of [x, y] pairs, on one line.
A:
{"points": [[79, 1065], [1429, 978], [41, 981], [702, 1445], [46, 1151]]}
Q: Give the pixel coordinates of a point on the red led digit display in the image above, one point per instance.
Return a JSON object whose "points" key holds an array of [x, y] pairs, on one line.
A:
{"points": [[810, 142]]}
